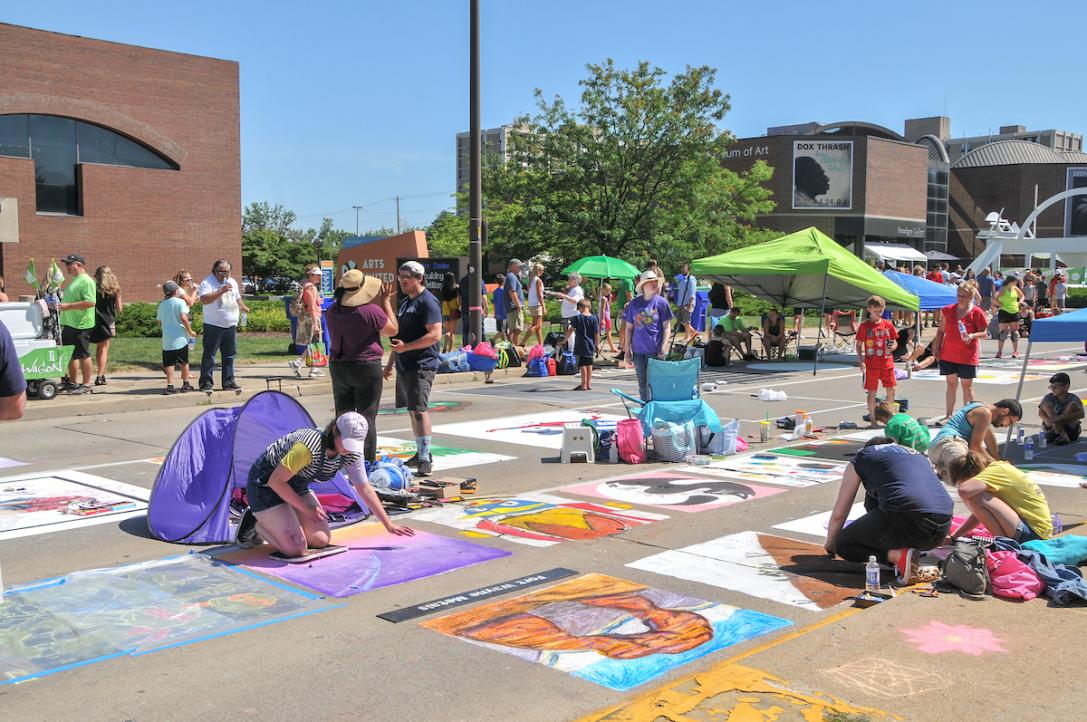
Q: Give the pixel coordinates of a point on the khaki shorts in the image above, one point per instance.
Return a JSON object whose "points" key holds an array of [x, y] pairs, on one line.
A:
{"points": [[515, 320], [536, 311], [944, 451]]}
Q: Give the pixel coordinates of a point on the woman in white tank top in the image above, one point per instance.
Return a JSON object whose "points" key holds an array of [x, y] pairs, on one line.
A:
{"points": [[535, 303]]}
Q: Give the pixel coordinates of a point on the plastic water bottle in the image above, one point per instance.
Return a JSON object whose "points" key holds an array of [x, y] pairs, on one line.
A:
{"points": [[1020, 435], [809, 427], [1041, 439], [871, 575], [243, 320], [1058, 527], [192, 343], [962, 332], [1028, 449]]}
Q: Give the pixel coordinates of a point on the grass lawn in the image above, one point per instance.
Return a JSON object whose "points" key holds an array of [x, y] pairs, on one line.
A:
{"points": [[146, 353]]}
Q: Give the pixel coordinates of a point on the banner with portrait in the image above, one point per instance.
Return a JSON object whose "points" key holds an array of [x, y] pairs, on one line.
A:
{"points": [[1075, 208], [823, 174]]}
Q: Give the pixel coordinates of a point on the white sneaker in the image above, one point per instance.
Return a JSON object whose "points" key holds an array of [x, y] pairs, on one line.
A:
{"points": [[296, 366], [313, 373]]}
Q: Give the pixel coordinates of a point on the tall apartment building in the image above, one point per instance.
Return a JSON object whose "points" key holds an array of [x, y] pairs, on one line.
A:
{"points": [[495, 146]]}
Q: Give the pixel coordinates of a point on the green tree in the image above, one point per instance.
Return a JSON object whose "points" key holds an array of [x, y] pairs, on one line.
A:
{"points": [[634, 171], [447, 235], [265, 216]]}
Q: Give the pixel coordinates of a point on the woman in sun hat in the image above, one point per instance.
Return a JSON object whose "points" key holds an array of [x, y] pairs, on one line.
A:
{"points": [[646, 333], [283, 510], [361, 314]]}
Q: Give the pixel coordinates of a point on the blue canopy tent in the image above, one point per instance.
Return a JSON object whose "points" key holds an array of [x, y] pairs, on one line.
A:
{"points": [[1065, 327], [933, 295]]}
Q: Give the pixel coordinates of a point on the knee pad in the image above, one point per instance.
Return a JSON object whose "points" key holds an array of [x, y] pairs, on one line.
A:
{"points": [[1015, 336], [1003, 336]]}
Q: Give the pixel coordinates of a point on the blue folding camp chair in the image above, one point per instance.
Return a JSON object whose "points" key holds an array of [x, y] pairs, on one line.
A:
{"points": [[673, 388]]}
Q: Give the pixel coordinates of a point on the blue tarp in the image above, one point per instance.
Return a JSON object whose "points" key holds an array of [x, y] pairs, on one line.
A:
{"points": [[1065, 327], [933, 295]]}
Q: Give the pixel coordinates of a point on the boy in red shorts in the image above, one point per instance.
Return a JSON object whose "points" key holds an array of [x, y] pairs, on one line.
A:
{"points": [[876, 339]]}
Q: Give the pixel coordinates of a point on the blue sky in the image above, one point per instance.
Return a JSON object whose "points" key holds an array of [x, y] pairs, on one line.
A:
{"points": [[350, 103]]}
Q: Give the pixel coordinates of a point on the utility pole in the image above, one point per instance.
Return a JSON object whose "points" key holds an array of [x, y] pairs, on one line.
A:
{"points": [[475, 186], [398, 215], [357, 209]]}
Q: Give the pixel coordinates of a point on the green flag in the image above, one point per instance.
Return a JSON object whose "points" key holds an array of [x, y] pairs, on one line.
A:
{"points": [[31, 275], [56, 276]]}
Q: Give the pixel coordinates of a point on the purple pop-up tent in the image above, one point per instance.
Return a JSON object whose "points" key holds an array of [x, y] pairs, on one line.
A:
{"points": [[190, 501]]}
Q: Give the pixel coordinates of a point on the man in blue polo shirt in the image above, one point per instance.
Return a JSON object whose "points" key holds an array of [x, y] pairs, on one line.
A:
{"points": [[416, 353]]}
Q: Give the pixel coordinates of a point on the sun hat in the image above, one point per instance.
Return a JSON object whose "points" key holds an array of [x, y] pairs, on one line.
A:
{"points": [[645, 278], [358, 288], [353, 427]]}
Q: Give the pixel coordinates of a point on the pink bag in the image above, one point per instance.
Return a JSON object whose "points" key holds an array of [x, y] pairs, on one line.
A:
{"points": [[1011, 578], [741, 444], [486, 350], [631, 440], [535, 352]]}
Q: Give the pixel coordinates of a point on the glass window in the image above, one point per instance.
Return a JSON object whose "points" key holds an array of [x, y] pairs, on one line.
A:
{"points": [[52, 145], [58, 144], [14, 136]]}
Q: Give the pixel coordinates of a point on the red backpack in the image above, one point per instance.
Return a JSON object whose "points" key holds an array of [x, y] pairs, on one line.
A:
{"points": [[631, 441]]}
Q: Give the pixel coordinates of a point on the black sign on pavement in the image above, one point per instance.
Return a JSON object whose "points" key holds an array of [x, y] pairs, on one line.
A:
{"points": [[457, 600]]}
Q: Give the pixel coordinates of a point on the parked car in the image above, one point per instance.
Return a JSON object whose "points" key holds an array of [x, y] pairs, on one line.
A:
{"points": [[249, 286], [279, 284]]}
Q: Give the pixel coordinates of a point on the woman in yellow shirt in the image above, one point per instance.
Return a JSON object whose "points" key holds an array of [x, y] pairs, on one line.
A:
{"points": [[1001, 497], [1007, 314]]}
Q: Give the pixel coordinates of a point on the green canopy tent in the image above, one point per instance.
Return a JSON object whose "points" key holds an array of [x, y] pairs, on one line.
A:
{"points": [[806, 269], [602, 267]]}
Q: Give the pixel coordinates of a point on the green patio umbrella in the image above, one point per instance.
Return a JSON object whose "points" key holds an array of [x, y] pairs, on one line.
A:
{"points": [[602, 267]]}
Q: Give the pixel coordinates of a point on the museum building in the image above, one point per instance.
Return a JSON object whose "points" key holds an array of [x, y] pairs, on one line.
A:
{"points": [[126, 155]]}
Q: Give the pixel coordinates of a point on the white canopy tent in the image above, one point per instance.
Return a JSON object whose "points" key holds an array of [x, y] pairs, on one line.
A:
{"points": [[894, 252]]}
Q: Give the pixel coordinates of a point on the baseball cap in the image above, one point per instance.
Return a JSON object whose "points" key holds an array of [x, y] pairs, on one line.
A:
{"points": [[414, 267], [314, 272], [74, 258], [169, 288], [1062, 379], [353, 427], [516, 262]]}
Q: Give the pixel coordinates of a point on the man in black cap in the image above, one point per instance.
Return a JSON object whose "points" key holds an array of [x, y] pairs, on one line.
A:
{"points": [[1061, 411], [76, 322]]}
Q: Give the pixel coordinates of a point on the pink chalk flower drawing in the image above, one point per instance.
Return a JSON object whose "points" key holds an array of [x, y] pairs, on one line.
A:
{"points": [[937, 638]]}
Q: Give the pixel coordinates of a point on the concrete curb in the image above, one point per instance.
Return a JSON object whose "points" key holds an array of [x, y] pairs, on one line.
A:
{"points": [[140, 395]]}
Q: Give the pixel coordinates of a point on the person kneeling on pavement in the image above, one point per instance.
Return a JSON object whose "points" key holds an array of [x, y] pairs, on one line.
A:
{"points": [[1061, 412], [907, 510], [283, 510], [1001, 497]]}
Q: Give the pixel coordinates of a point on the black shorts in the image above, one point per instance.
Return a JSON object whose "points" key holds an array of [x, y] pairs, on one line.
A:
{"points": [[78, 337], [413, 388], [963, 371], [175, 356], [584, 361], [1005, 317]]}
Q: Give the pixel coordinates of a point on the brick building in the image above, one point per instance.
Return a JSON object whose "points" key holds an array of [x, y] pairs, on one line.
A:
{"points": [[126, 155], [1010, 177], [854, 181]]}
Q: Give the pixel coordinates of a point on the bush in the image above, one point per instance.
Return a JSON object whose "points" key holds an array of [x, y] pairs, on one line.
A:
{"points": [[1077, 298], [140, 320]]}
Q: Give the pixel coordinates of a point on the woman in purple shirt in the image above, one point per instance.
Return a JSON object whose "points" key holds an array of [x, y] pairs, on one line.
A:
{"points": [[361, 315], [647, 329]]}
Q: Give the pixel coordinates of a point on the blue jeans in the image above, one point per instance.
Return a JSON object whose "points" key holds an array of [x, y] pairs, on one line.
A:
{"points": [[218, 339], [641, 367]]}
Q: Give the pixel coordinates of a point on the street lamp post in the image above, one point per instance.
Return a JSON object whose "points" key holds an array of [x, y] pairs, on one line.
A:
{"points": [[357, 209], [475, 187]]}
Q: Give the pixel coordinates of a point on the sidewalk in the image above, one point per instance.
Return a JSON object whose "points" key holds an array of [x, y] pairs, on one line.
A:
{"points": [[142, 391]]}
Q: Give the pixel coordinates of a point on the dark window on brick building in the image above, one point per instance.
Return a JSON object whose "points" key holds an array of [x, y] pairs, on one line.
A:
{"points": [[58, 144]]}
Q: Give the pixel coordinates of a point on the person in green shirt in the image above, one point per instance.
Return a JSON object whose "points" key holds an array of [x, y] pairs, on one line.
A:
{"points": [[736, 332], [76, 322], [902, 429]]}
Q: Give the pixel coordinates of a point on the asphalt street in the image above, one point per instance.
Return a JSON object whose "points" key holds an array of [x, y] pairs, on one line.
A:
{"points": [[346, 663]]}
